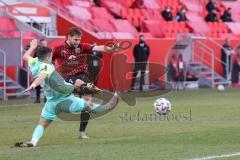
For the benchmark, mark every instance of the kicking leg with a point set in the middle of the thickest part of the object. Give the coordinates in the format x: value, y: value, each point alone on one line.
x: 84, y: 118
x: 96, y: 108
x: 38, y: 93
x: 78, y: 105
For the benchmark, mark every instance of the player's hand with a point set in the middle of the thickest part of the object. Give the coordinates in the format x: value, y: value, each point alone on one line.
x: 79, y: 82
x: 32, y: 86
x: 34, y: 44
x: 115, y: 47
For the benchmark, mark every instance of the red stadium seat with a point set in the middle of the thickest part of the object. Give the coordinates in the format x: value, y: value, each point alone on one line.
x: 208, y: 34
x: 151, y: 14
x: 113, y: 6
x: 218, y: 28
x: 154, y: 27
x: 234, y: 27
x: 103, y: 24
x: 129, y: 18
x: 126, y: 3
x: 130, y: 12
x: 182, y: 24
x: 199, y: 22
x: 193, y: 6
x: 7, y: 24
x: 101, y: 13
x: 8, y: 27
x: 123, y: 35
x: 151, y: 4
x: 105, y: 35
x: 135, y: 16
x: 29, y: 35
x: 124, y: 13
x: 123, y: 26
x: 90, y: 27
x: 81, y: 13
x: 145, y: 34
x: 173, y: 35
x: 62, y: 3
x: 167, y: 35
x: 136, y: 22
x: 186, y: 30
x: 137, y: 12
x: 147, y: 13
x: 214, y: 35
x: 156, y: 15
x: 82, y: 3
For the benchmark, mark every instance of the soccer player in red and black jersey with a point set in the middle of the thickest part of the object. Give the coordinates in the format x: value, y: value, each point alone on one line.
x: 72, y: 63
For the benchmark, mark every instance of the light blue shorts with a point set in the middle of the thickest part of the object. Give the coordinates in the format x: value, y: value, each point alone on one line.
x: 69, y: 104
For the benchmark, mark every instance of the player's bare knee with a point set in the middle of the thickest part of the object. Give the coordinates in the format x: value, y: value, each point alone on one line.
x: 45, y: 123
x: 90, y: 105
x: 87, y: 97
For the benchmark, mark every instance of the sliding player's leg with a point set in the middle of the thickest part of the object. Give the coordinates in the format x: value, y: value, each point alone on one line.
x: 39, y: 130
x: 37, y: 134
x: 70, y: 104
x: 47, y: 116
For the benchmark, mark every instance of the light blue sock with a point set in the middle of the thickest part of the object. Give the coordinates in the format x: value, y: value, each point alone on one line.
x: 37, y: 134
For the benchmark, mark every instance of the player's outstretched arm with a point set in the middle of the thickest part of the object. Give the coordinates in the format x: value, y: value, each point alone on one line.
x: 33, y: 46
x: 39, y: 80
x: 100, y: 48
x: 103, y: 48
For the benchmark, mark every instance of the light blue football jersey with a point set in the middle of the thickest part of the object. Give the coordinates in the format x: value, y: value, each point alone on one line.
x: 37, y: 67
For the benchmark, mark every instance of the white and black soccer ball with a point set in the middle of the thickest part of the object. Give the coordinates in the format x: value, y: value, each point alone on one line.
x: 162, y: 106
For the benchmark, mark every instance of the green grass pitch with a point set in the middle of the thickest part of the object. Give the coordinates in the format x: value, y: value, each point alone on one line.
x: 202, y: 123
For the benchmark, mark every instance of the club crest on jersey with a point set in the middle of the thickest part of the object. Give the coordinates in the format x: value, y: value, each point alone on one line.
x: 77, y: 50
x: 44, y: 68
x: 72, y: 57
x: 64, y: 52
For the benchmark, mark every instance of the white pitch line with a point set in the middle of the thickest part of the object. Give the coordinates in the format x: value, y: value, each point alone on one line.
x: 17, y: 105
x: 220, y: 156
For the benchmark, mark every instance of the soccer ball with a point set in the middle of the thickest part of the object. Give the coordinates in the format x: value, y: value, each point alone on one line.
x: 220, y: 88
x: 162, y: 106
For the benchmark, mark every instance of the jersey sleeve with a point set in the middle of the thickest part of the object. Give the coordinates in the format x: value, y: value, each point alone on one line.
x: 46, y: 69
x: 86, y: 47
x: 32, y: 61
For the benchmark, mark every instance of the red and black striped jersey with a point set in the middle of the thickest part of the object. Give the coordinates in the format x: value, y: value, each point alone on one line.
x: 69, y: 60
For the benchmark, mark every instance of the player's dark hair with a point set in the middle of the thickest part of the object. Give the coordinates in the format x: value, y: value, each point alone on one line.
x: 42, y: 52
x: 74, y: 31
x: 42, y: 39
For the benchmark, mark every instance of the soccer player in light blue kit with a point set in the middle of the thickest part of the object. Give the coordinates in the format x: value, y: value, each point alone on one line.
x: 57, y: 102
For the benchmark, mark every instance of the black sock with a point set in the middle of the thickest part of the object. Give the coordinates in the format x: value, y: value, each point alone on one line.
x: 84, y: 121
x: 38, y: 92
x: 45, y: 99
